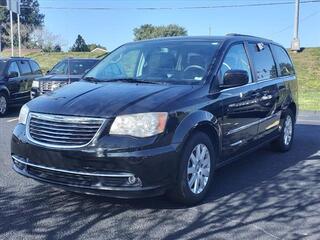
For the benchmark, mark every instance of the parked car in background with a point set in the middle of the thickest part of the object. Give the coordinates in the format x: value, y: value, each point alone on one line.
x: 16, y: 77
x: 64, y: 72
x: 160, y: 116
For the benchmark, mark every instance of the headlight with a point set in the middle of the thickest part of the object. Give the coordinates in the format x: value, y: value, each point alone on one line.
x: 23, y: 114
x: 35, y: 84
x: 139, y: 125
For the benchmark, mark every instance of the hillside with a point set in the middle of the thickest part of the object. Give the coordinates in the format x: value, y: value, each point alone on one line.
x: 307, y: 64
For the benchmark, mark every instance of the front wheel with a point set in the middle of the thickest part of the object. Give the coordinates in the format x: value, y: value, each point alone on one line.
x: 284, y: 142
x: 196, y: 170
x: 3, y: 104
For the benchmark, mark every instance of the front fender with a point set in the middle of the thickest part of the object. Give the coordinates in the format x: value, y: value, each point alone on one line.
x: 4, y: 89
x: 193, y: 121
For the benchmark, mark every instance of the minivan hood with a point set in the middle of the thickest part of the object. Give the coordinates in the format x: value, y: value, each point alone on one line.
x: 108, y: 99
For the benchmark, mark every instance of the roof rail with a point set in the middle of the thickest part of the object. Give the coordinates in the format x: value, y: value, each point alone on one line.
x: 243, y: 35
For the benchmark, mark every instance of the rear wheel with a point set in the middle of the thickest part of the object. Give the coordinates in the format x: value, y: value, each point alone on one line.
x: 196, y: 170
x: 284, y: 142
x: 3, y: 104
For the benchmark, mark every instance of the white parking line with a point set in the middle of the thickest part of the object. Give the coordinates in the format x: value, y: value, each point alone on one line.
x: 308, y: 120
x: 12, y: 120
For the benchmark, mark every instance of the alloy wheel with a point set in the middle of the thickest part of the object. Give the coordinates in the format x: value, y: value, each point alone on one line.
x: 198, y: 171
x: 288, y: 129
x: 3, y: 105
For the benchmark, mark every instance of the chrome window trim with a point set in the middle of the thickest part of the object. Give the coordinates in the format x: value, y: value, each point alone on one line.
x: 120, y: 174
x: 62, y: 118
x: 254, y: 83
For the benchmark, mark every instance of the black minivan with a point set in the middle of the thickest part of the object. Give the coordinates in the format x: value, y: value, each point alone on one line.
x: 160, y: 116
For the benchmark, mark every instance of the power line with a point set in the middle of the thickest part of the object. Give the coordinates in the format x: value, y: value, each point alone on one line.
x: 178, y: 8
x: 289, y: 27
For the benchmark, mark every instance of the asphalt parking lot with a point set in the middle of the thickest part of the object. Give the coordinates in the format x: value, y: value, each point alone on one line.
x: 266, y: 195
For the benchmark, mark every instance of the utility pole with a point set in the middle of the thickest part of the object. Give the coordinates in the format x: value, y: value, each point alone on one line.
x: 295, y: 45
x: 19, y: 35
x: 14, y: 7
x: 0, y: 38
x: 11, y: 33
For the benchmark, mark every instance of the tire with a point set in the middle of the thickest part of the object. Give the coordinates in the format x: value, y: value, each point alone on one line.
x: 202, y: 173
x: 3, y: 104
x: 284, y: 142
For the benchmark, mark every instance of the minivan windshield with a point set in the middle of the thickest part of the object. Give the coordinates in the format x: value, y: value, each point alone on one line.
x: 157, y: 61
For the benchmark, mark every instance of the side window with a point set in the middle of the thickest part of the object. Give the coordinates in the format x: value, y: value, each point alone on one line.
x: 13, y: 68
x: 284, y: 64
x: 235, y: 59
x: 263, y: 61
x: 24, y: 67
x: 60, y: 68
x: 80, y: 67
x: 35, y: 67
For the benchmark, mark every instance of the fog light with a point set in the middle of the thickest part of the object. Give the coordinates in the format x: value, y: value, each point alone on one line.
x: 132, y: 180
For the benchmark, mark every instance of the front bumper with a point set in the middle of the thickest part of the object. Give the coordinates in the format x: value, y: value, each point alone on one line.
x: 96, y: 170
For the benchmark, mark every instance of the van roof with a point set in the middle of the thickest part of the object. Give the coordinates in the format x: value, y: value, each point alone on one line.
x: 231, y: 37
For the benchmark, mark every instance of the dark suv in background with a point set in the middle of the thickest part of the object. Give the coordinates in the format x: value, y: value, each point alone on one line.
x: 64, y: 72
x: 16, y: 77
x: 160, y: 116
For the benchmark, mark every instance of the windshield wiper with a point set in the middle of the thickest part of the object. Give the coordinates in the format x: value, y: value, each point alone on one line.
x: 131, y: 80
x: 91, y: 79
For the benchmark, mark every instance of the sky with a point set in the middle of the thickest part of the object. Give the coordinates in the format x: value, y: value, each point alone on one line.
x: 114, y: 27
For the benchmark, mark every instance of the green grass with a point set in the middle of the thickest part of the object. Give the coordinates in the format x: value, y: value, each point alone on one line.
x: 307, y: 64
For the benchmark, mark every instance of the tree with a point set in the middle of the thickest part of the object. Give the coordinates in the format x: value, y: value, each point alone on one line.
x: 30, y: 18
x: 57, y: 48
x: 80, y: 45
x: 45, y: 40
x: 148, y: 31
x: 24, y: 33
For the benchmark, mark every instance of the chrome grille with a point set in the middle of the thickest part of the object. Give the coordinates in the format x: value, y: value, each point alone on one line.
x: 48, y: 86
x: 62, y: 131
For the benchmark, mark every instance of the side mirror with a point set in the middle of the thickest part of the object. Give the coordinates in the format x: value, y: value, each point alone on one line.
x: 235, y: 78
x: 13, y: 74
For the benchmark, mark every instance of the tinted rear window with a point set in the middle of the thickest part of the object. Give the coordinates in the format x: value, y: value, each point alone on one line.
x: 24, y: 67
x: 263, y: 61
x: 284, y: 64
x: 80, y: 67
